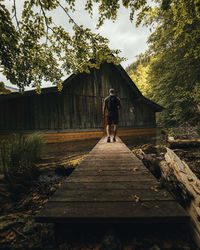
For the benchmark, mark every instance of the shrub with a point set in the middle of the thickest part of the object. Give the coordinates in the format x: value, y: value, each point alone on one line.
x: 18, y: 155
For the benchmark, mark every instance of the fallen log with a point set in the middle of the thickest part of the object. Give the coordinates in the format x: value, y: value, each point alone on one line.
x: 185, y: 186
x: 183, y: 143
x: 151, y: 161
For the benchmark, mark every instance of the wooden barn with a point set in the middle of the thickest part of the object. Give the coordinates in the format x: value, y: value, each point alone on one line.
x: 78, y: 107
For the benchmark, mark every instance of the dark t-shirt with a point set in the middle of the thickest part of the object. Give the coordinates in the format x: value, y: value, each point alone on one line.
x: 112, y: 103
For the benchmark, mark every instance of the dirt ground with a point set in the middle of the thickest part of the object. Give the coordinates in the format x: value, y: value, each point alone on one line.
x: 18, y: 230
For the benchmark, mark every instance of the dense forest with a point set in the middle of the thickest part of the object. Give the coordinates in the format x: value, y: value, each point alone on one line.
x: 168, y: 72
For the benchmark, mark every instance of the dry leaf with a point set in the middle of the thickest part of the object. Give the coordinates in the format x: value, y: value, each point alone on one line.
x: 37, y: 197
x: 165, y: 194
x: 154, y: 188
x: 145, y: 205
x: 11, y: 235
x: 137, y: 198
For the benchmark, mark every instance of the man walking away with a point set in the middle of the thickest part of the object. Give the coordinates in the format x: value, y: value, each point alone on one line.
x: 111, y: 103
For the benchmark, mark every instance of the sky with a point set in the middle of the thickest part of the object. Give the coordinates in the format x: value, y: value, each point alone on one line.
x: 122, y: 34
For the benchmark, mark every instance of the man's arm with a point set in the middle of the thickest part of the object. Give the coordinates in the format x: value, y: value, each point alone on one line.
x: 104, y: 109
x: 119, y: 103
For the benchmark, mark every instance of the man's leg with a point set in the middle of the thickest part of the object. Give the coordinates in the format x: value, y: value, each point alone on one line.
x: 115, y: 121
x: 108, y: 127
x: 115, y: 130
x: 108, y: 132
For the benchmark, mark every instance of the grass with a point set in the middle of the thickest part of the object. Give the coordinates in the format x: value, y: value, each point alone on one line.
x: 19, y: 153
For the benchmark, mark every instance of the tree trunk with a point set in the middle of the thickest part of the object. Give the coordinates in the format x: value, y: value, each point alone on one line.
x: 183, y: 143
x: 185, y: 186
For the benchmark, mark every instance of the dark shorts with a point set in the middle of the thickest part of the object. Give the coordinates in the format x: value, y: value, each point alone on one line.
x: 112, y: 118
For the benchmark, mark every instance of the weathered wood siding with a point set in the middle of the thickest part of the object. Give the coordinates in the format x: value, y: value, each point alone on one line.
x: 85, y: 95
x: 78, y: 106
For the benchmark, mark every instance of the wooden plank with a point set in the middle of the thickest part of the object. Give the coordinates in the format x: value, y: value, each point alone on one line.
x: 30, y: 108
x: 136, y: 185
x: 107, y: 188
x: 110, y: 195
x: 105, y: 160
x: 110, y: 178
x: 46, y: 111
x: 112, y: 163
x: 129, y: 212
x: 56, y: 111
x: 110, y: 167
x: 60, y: 110
x: 101, y: 172
x: 89, y: 162
x: 33, y: 100
x: 37, y: 112
x: 97, y: 153
x: 100, y: 162
x: 51, y: 110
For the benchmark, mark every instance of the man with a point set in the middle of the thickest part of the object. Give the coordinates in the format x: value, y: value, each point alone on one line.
x: 111, y: 103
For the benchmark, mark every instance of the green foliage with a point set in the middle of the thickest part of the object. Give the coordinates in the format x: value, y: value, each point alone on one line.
x: 171, y: 75
x: 174, y: 75
x: 34, y: 49
x: 3, y: 90
x: 19, y: 153
x: 108, y: 9
x: 138, y: 71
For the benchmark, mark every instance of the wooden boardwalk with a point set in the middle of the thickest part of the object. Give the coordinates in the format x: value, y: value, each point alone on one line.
x: 111, y: 185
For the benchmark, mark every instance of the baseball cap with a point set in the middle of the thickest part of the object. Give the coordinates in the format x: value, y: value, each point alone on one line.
x: 111, y: 90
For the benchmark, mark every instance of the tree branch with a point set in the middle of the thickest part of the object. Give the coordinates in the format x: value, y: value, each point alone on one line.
x: 68, y: 14
x: 93, y: 40
x: 48, y: 27
x: 15, y: 15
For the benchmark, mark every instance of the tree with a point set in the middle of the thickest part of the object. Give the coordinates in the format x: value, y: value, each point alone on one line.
x: 34, y: 49
x: 173, y: 69
x: 138, y: 71
x: 3, y: 90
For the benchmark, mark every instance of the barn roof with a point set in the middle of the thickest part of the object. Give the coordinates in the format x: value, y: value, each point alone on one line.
x: 120, y: 69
